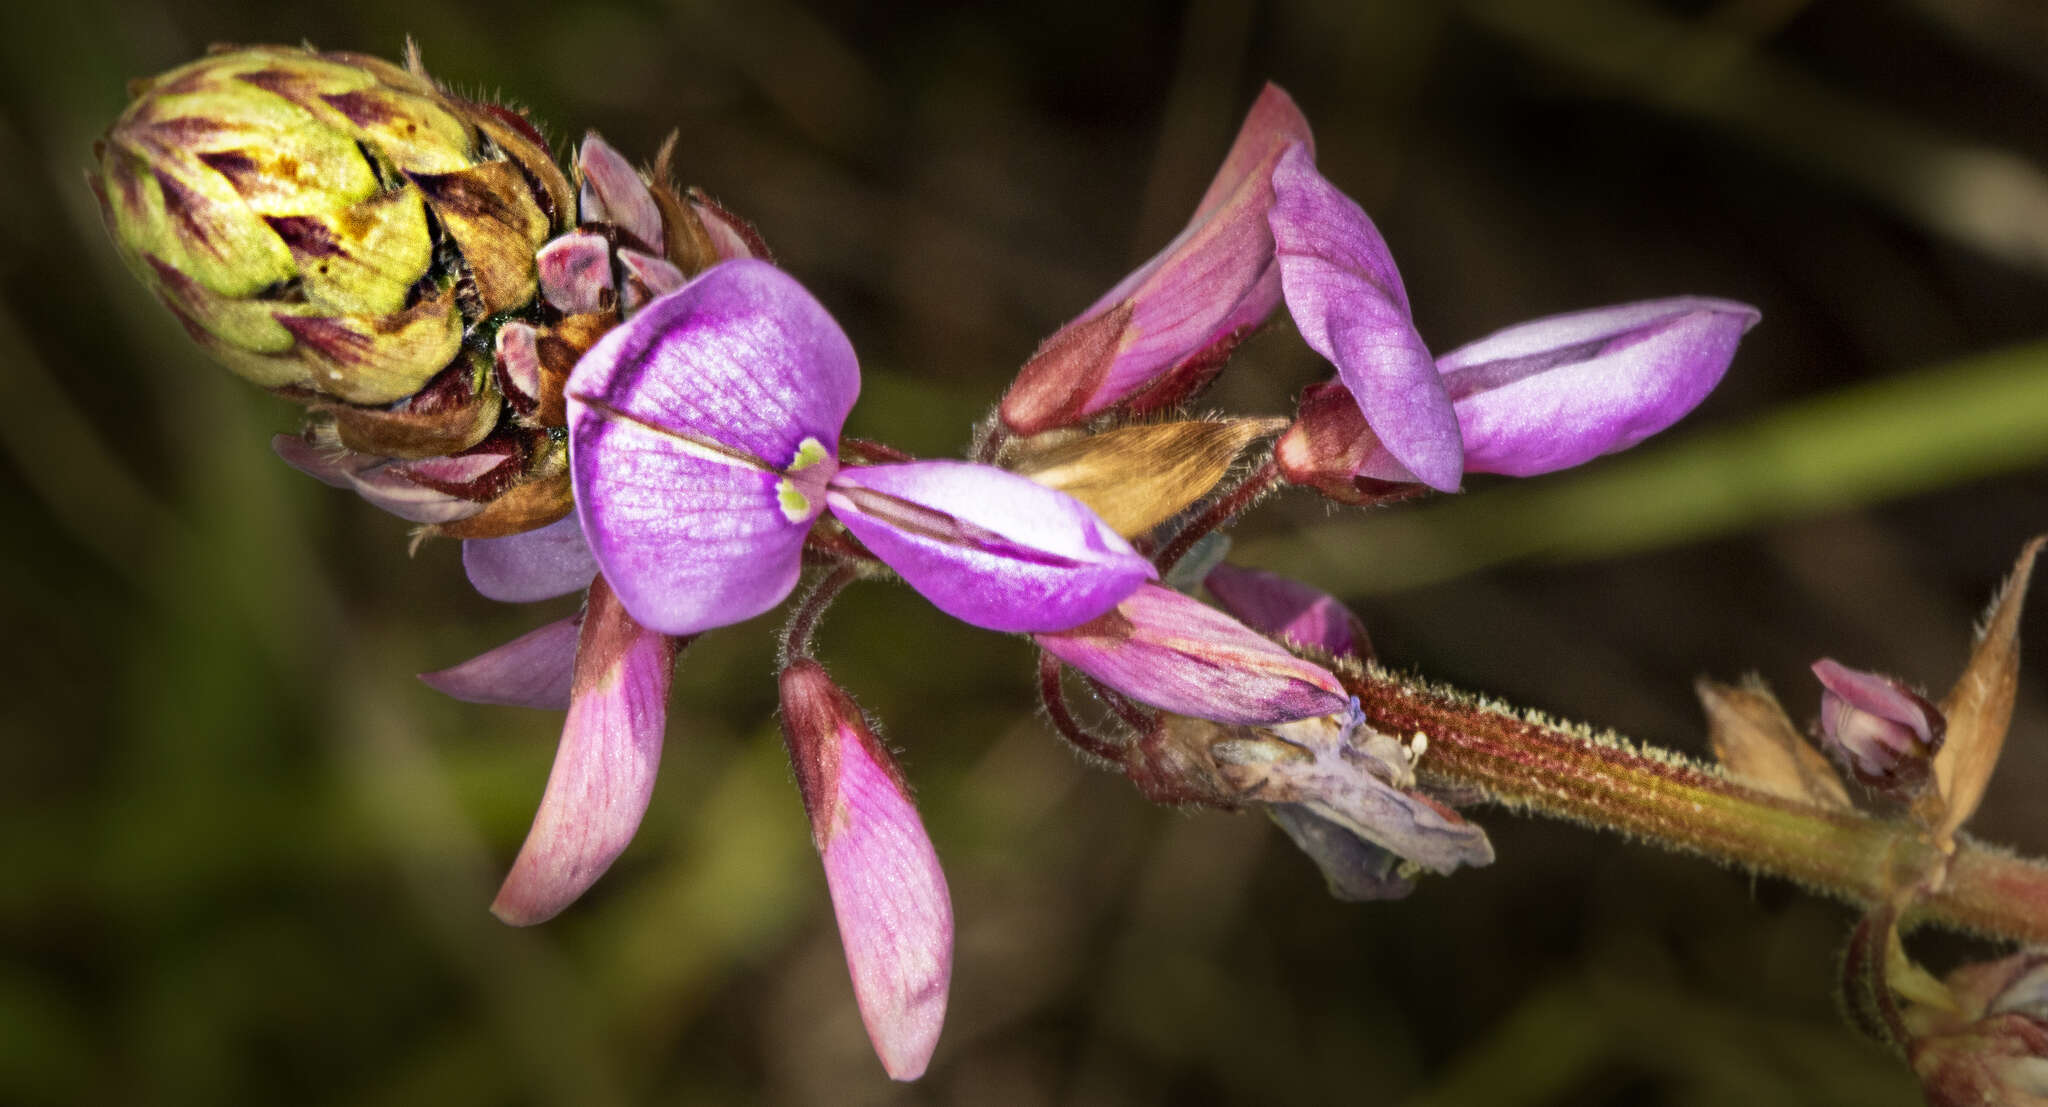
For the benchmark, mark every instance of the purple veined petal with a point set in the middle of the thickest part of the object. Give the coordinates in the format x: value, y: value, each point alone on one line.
x: 1347, y: 300
x: 1560, y: 391
x: 604, y: 768
x: 1290, y: 610
x: 536, y: 669
x: 1166, y: 650
x: 536, y: 565
x: 576, y: 272
x: 888, y: 893
x: 685, y: 424
x: 1212, y: 282
x: 986, y: 546
x: 613, y: 193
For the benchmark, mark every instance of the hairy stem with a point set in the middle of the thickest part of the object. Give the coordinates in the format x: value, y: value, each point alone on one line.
x: 1663, y: 798
x: 803, y: 622
x: 1055, y: 699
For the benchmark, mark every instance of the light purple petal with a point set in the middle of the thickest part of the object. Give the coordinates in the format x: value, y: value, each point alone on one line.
x: 613, y: 192
x: 576, y: 272
x: 1356, y: 871
x: 1169, y: 651
x: 604, y: 768
x: 1348, y: 302
x: 1214, y: 279
x: 1288, y: 609
x: 536, y: 669
x: 333, y: 465
x: 682, y: 421
x: 536, y: 565
x: 989, y: 547
x: 888, y: 892
x: 517, y: 355
x: 1560, y: 391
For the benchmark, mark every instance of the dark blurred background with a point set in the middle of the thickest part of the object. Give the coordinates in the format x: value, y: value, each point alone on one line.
x: 245, y: 857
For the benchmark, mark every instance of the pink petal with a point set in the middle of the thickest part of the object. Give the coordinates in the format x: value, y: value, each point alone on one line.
x: 604, y: 769
x: 1212, y: 282
x: 576, y: 272
x: 888, y: 892
x: 1175, y: 653
x: 536, y: 669
x: 614, y: 193
x: 536, y: 565
x: 1560, y: 391
x: 986, y: 546
x: 1348, y: 302
x: 1290, y: 610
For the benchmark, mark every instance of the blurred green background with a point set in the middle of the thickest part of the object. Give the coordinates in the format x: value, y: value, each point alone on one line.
x: 245, y: 857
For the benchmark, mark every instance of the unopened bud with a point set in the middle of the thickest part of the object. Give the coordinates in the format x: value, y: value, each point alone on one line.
x: 1877, y: 728
x: 325, y: 222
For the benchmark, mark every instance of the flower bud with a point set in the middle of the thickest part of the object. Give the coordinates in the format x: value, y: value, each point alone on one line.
x: 1990, y: 1043
x: 1877, y: 728
x: 326, y: 223
x: 888, y: 893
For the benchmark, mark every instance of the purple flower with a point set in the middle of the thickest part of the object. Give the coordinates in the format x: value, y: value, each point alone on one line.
x: 1167, y: 328
x: 704, y: 438
x: 1532, y: 398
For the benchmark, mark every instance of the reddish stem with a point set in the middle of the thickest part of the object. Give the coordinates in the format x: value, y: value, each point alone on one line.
x: 803, y: 622
x: 1227, y: 507
x: 869, y: 450
x: 1661, y: 797
x: 1054, y: 696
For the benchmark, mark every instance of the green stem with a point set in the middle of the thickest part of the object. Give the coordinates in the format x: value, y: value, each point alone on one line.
x: 1602, y: 781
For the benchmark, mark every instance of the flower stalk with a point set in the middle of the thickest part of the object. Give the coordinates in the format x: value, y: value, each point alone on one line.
x: 1660, y: 797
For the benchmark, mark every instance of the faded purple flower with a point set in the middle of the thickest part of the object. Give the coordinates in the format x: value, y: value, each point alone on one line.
x: 704, y: 439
